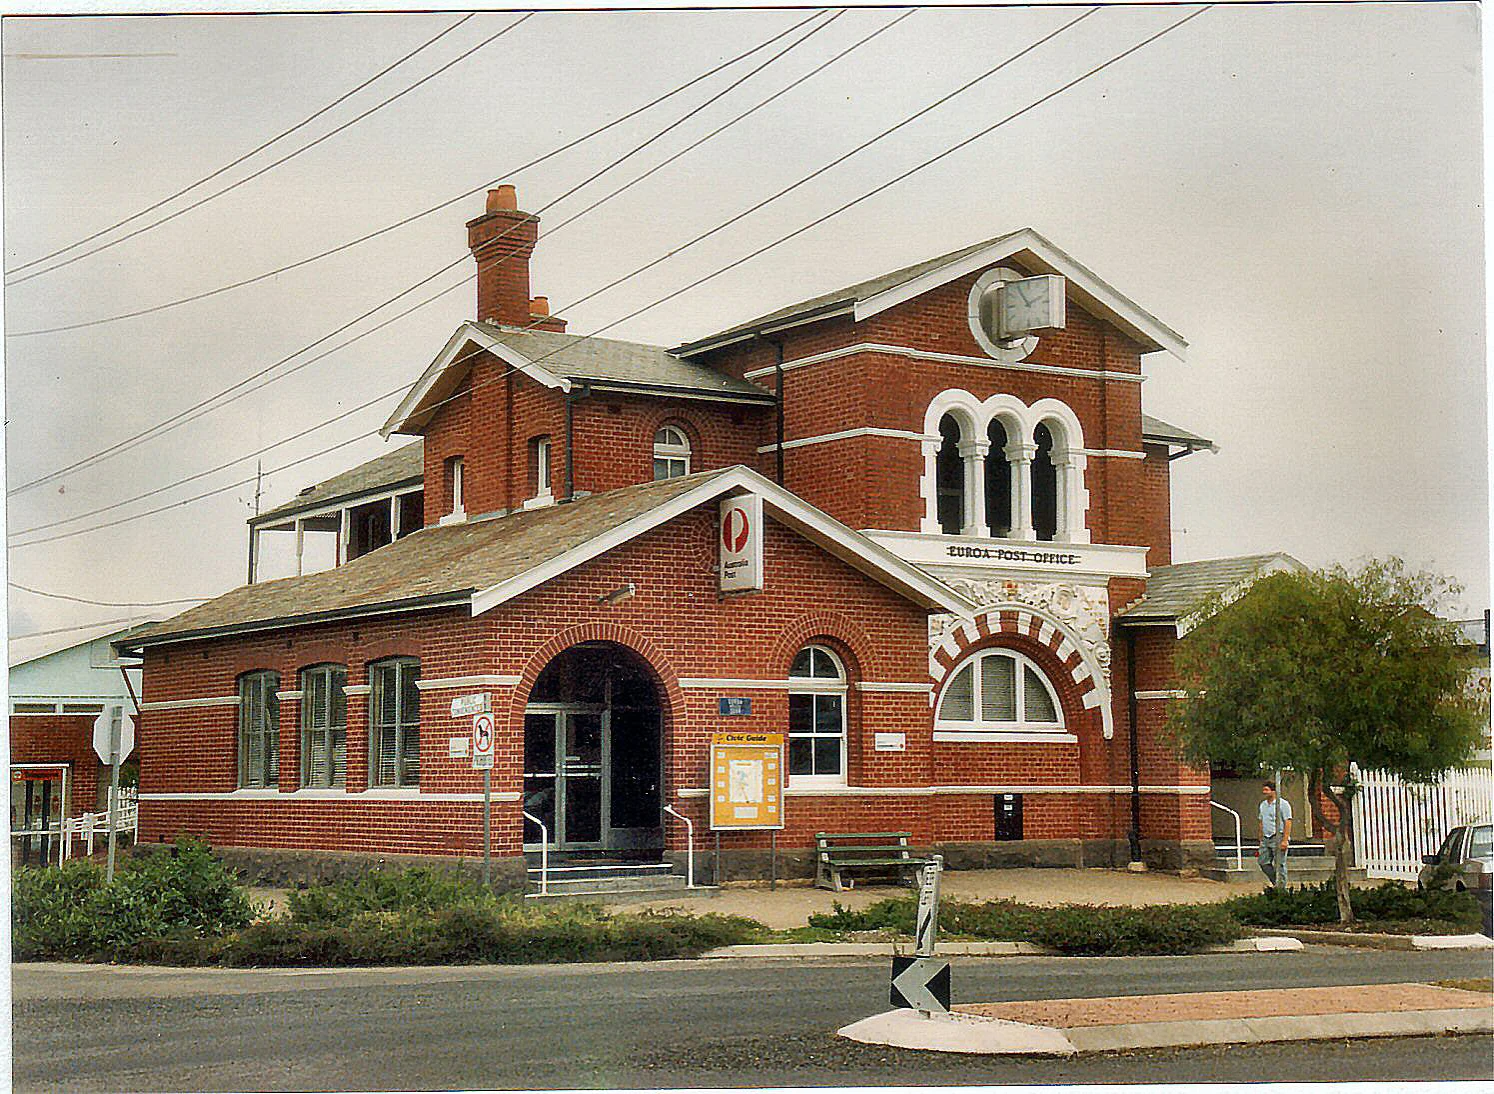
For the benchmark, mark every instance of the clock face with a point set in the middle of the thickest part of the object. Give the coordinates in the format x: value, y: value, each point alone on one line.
x: 1033, y: 303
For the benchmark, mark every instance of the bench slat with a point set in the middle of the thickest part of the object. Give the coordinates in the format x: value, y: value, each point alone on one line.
x: 862, y: 835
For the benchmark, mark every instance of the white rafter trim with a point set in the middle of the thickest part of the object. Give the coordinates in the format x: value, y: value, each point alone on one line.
x: 1039, y: 256
x: 894, y: 686
x: 450, y: 365
x: 189, y: 704
x: 788, y: 509
x: 927, y: 791
x: 1171, y: 694
x: 998, y: 737
x: 844, y: 435
x: 945, y: 358
x: 307, y: 794
x: 442, y: 682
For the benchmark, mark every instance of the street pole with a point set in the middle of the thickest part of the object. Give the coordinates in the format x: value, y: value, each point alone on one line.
x: 114, y: 743
x: 487, y: 828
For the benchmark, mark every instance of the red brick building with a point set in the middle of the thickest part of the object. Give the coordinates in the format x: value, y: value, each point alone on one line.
x: 961, y: 496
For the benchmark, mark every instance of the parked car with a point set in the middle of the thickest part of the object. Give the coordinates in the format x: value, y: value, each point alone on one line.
x: 1464, y: 862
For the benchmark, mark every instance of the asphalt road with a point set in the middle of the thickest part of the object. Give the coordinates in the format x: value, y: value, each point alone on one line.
x: 664, y: 1024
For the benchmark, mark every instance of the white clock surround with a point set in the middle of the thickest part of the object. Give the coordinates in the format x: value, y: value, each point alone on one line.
x: 1008, y: 351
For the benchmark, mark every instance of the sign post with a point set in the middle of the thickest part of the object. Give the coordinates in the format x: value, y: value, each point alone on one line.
x: 921, y: 982
x: 113, y: 740
x: 483, y: 727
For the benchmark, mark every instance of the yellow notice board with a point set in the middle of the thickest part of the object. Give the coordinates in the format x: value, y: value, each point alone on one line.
x: 746, y: 781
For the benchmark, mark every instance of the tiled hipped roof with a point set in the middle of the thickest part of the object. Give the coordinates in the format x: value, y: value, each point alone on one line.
x: 1180, y: 591
x: 405, y: 464
x: 436, y: 564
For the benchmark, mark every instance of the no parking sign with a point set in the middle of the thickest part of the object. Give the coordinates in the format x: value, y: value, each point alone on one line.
x: 483, y: 731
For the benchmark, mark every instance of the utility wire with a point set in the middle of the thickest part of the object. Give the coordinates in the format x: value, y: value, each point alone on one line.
x: 934, y: 159
x: 160, y: 427
x: 512, y: 172
x: 458, y: 59
x: 253, y: 151
x: 64, y: 630
x: 386, y: 322
x: 110, y: 603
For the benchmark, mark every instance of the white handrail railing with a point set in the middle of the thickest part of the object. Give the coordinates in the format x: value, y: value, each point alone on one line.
x: 1239, y: 851
x: 689, y: 845
x: 544, y: 852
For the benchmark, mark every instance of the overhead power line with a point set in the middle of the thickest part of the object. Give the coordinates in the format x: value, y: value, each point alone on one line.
x: 77, y: 627
x: 842, y: 208
x: 252, y: 152
x: 274, y: 163
x: 160, y: 427
x: 110, y: 603
x: 403, y: 221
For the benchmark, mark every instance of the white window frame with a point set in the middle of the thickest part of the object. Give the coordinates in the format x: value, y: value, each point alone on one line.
x: 267, y: 681
x: 402, y: 722
x: 817, y: 687
x: 977, y: 728
x: 671, y: 451
x: 309, y: 729
x: 540, y: 453
x: 458, y: 503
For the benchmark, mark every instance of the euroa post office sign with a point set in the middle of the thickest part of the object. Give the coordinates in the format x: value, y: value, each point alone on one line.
x: 740, y: 538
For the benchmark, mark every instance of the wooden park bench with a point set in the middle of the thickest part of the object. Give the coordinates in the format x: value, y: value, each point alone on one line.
x: 874, y: 852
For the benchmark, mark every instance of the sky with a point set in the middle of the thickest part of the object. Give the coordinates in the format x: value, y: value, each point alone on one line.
x: 1296, y: 189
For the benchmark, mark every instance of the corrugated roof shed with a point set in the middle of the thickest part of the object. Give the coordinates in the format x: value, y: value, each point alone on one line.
x: 1177, y: 592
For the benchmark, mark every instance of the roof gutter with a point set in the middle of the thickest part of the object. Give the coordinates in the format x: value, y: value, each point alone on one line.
x: 755, y: 330
x: 628, y: 387
x: 408, y: 604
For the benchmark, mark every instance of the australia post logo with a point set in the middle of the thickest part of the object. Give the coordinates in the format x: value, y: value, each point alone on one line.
x: 741, y: 543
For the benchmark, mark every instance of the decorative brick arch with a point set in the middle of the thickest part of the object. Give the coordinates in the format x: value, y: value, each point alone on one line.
x: 652, y: 423
x: 845, y: 630
x: 1035, y: 625
x: 597, y: 632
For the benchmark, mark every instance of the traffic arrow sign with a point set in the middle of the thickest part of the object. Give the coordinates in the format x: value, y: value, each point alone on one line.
x: 921, y: 983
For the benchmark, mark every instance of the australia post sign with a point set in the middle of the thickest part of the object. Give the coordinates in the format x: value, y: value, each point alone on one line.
x: 741, y: 542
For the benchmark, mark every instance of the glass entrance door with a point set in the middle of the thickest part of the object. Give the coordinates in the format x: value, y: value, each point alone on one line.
x: 565, y: 768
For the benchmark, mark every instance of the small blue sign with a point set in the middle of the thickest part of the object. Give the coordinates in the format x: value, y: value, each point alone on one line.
x: 735, y: 706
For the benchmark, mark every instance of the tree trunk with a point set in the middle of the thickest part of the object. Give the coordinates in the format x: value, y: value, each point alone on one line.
x: 1340, y: 827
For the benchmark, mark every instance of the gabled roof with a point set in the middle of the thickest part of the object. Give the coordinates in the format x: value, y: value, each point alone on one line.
x: 484, y: 563
x: 1024, y: 246
x: 562, y: 361
x: 402, y: 467
x: 1155, y: 429
x: 1179, y: 593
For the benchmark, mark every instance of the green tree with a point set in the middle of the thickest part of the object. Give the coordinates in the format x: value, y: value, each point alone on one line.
x: 1314, y: 670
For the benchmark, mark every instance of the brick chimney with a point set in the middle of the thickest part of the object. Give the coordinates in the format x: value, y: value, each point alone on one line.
x: 502, y: 239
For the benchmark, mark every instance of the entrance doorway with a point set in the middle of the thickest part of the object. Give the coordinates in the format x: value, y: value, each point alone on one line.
x: 592, y: 752
x: 37, y: 808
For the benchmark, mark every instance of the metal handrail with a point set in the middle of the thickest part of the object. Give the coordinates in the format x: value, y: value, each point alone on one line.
x: 689, y: 845
x: 1239, y: 851
x: 544, y: 852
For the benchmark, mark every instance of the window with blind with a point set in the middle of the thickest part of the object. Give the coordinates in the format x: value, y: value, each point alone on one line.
x: 259, y: 730
x: 817, y: 718
x: 671, y: 453
x: 394, y: 747
x: 1000, y: 690
x: 324, y: 726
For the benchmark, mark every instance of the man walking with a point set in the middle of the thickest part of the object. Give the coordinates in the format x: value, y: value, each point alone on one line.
x: 1276, y: 833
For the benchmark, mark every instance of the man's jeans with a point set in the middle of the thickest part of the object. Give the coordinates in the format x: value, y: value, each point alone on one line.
x: 1273, y: 861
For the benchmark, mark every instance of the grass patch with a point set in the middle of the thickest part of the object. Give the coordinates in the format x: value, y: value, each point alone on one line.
x: 1070, y: 929
x: 1485, y: 984
x: 1390, y: 908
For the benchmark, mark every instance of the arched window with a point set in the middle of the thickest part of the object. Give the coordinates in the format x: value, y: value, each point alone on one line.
x: 1000, y: 690
x: 394, y: 744
x: 998, y: 482
x: 817, y: 718
x: 1044, y: 485
x: 259, y: 729
x: 324, y: 726
x: 671, y: 453
x: 949, y: 476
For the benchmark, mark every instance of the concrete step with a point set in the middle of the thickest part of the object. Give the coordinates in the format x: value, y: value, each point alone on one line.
x: 610, y: 888
x: 1300, y: 871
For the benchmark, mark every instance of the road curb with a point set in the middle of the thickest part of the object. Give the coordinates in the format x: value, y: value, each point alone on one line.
x: 970, y: 1034
x: 1262, y: 944
x: 1373, y: 941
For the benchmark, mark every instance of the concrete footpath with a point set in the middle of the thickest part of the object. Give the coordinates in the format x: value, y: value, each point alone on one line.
x: 1066, y: 1027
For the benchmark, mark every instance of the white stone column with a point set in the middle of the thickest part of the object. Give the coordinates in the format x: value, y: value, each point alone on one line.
x: 929, y: 484
x: 1019, y: 456
x: 1073, y: 499
x: 974, y: 455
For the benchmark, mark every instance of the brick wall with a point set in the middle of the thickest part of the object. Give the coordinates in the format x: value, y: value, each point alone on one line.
x: 60, y: 739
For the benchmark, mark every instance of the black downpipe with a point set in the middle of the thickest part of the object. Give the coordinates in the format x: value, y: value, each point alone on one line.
x: 778, y: 377
x: 1135, y: 834
x: 570, y: 445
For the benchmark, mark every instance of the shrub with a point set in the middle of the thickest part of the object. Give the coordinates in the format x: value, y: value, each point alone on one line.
x: 1387, y: 903
x: 1071, y: 929
x: 416, y: 889
x: 72, y: 913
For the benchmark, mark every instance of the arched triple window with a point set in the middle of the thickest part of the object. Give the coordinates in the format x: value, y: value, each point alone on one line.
x: 671, y: 453
x: 1000, y: 691
x: 324, y: 726
x: 259, y: 729
x: 817, y: 718
x: 998, y: 482
x: 949, y: 476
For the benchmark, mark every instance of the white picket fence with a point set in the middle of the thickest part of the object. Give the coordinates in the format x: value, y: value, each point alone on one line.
x: 1397, y: 822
